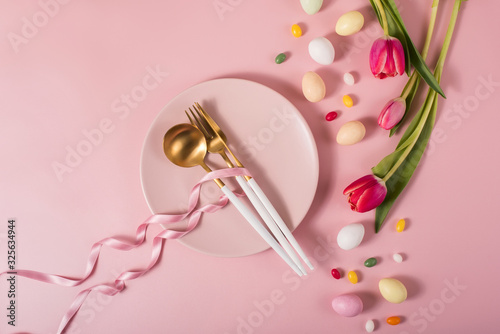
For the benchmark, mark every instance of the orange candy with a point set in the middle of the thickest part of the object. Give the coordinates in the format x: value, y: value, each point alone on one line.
x: 393, y: 320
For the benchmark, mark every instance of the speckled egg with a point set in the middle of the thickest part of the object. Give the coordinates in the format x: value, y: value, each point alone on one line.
x: 348, y: 305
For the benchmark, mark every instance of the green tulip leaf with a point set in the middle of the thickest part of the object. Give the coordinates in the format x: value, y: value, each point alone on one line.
x: 415, y: 58
x: 398, y: 181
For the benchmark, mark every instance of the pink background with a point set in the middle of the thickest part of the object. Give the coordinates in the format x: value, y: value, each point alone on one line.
x: 65, y: 77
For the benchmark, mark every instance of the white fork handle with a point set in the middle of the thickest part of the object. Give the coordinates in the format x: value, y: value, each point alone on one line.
x: 250, y: 217
x: 277, y: 218
x: 258, y: 205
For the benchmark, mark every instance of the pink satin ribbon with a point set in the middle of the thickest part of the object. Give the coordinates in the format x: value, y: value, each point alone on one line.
x: 118, y: 285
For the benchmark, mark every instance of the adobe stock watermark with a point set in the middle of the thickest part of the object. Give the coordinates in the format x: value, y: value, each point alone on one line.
x: 122, y: 106
x: 30, y: 26
x: 263, y: 309
x: 455, y: 115
x: 222, y: 7
x: 250, y: 146
x: 95, y: 303
x: 421, y: 318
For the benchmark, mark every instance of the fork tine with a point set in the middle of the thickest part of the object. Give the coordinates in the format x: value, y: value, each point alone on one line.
x: 190, y: 119
x: 207, y: 118
x: 202, y: 119
x: 199, y: 125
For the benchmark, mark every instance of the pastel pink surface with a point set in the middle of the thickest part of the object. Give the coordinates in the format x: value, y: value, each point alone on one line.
x: 82, y: 69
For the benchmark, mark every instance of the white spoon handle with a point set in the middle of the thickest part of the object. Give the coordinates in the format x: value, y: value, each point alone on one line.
x: 250, y: 217
x: 271, y: 224
x: 277, y: 218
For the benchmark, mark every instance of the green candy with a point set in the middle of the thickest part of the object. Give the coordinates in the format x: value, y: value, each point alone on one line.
x: 280, y: 58
x: 370, y: 262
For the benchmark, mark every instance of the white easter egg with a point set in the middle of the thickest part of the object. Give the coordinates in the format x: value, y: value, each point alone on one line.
x: 311, y: 6
x: 313, y: 87
x: 350, y: 236
x: 322, y: 51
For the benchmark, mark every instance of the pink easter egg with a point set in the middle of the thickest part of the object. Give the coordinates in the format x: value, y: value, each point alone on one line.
x: 348, y: 305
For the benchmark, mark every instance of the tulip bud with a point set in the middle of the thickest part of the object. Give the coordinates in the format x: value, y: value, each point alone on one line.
x: 366, y: 193
x: 392, y: 113
x: 387, y: 57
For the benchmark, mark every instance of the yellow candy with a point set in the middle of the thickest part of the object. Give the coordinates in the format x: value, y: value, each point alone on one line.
x: 352, y: 277
x: 296, y: 30
x: 400, y: 226
x: 347, y: 101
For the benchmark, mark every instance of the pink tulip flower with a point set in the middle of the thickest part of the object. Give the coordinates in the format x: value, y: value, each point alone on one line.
x: 366, y: 193
x: 392, y: 113
x: 387, y: 57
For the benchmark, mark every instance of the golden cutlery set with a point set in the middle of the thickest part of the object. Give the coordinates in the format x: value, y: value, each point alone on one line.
x: 186, y: 145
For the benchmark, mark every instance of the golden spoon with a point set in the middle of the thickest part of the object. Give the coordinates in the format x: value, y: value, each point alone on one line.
x: 185, y: 146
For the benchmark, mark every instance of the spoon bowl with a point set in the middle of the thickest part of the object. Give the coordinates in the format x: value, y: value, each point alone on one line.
x: 185, y: 146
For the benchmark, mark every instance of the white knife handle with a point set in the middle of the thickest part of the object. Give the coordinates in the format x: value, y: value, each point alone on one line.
x: 249, y: 216
x: 258, y: 205
x: 279, y: 221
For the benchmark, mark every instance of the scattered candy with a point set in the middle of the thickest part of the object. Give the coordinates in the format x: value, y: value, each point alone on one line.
x: 350, y: 236
x: 370, y: 262
x: 348, y: 305
x: 392, y: 290
x: 370, y: 326
x: 313, y: 87
x: 335, y: 273
x: 322, y: 51
x: 349, y: 23
x: 331, y: 116
x: 348, y: 79
x: 398, y: 258
x: 347, y: 101
x: 296, y: 30
x: 400, y: 226
x: 352, y: 277
x: 280, y: 58
x: 393, y: 320
x: 351, y: 133
x: 311, y: 6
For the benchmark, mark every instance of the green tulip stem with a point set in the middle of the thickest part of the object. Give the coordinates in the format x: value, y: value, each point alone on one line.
x: 385, y: 25
x: 447, y: 40
x: 425, y: 50
x: 432, y: 94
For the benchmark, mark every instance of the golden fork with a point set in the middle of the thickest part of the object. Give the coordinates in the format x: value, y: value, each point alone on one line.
x: 217, y: 143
